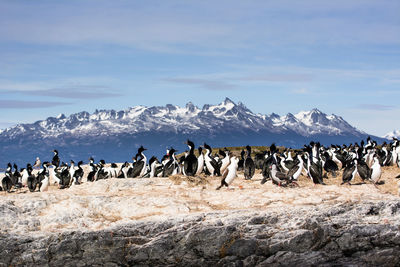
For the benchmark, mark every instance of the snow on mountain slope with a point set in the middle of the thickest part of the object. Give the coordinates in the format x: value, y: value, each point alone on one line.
x: 188, y: 119
x: 390, y: 135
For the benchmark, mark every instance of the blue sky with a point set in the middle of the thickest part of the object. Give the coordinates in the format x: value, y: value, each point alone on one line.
x: 342, y: 57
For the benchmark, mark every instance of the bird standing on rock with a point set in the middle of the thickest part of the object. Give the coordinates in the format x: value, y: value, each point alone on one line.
x: 248, y: 166
x: 56, y: 159
x: 278, y: 177
x: 211, y: 163
x: 200, y: 161
x: 190, y: 163
x: 230, y: 173
x: 349, y: 172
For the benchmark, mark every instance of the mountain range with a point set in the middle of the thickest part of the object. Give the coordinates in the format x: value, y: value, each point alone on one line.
x: 116, y: 135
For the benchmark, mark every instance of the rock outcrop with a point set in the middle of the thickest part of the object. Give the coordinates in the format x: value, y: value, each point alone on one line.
x: 362, y: 234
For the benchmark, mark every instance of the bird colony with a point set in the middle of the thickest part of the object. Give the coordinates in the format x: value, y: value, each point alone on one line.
x: 281, y: 167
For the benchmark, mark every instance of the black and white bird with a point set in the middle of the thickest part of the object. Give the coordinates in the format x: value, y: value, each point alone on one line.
x: 363, y: 169
x: 225, y: 160
x: 182, y: 159
x: 63, y: 175
x: 172, y: 166
x: 386, y: 156
x: 32, y: 181
x: 140, y: 168
x: 278, y: 177
x: 287, y: 161
x: 92, y: 170
x: 259, y: 160
x: 211, y: 163
x: 56, y: 159
x: 230, y: 173
x: 24, y: 177
x: 241, y: 160
x: 156, y: 168
x: 295, y: 172
x: 123, y: 172
x: 349, y: 172
x: 112, y: 170
x: 6, y: 182
x: 78, y: 174
x: 337, y: 156
x: 248, y: 166
x: 270, y: 158
x: 104, y: 172
x: 330, y: 166
x: 314, y: 164
x: 16, y: 177
x: 190, y: 163
x: 71, y: 170
x: 131, y: 166
x: 376, y: 171
x: 44, y: 177
x: 200, y: 161
x: 10, y: 174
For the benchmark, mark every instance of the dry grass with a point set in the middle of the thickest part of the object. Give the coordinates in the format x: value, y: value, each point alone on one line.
x: 190, y: 180
x: 237, y: 149
x: 391, y: 185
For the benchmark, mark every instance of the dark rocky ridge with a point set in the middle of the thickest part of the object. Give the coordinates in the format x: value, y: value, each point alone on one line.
x: 349, y: 234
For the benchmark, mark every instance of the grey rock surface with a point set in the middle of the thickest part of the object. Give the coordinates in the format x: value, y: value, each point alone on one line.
x: 347, y: 234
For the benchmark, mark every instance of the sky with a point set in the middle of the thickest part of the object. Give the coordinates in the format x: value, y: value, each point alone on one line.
x: 342, y: 57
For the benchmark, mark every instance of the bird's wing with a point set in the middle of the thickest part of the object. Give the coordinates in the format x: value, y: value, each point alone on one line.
x: 281, y: 175
x: 137, y: 169
x: 293, y: 170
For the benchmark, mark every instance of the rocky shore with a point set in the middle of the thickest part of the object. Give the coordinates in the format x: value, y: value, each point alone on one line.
x: 147, y: 222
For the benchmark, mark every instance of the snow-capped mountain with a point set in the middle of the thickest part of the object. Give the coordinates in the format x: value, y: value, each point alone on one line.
x: 115, y: 135
x: 186, y: 119
x: 390, y: 135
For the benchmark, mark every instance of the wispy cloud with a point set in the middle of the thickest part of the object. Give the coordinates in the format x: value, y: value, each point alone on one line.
x: 68, y: 91
x: 17, y: 104
x: 377, y: 107
x: 214, y: 85
x: 301, y: 91
x: 87, y: 92
x: 279, y: 78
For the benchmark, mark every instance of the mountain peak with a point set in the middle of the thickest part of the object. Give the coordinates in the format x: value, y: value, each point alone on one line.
x: 315, y: 110
x: 228, y: 101
x: 60, y: 116
x: 390, y: 135
x: 190, y: 107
